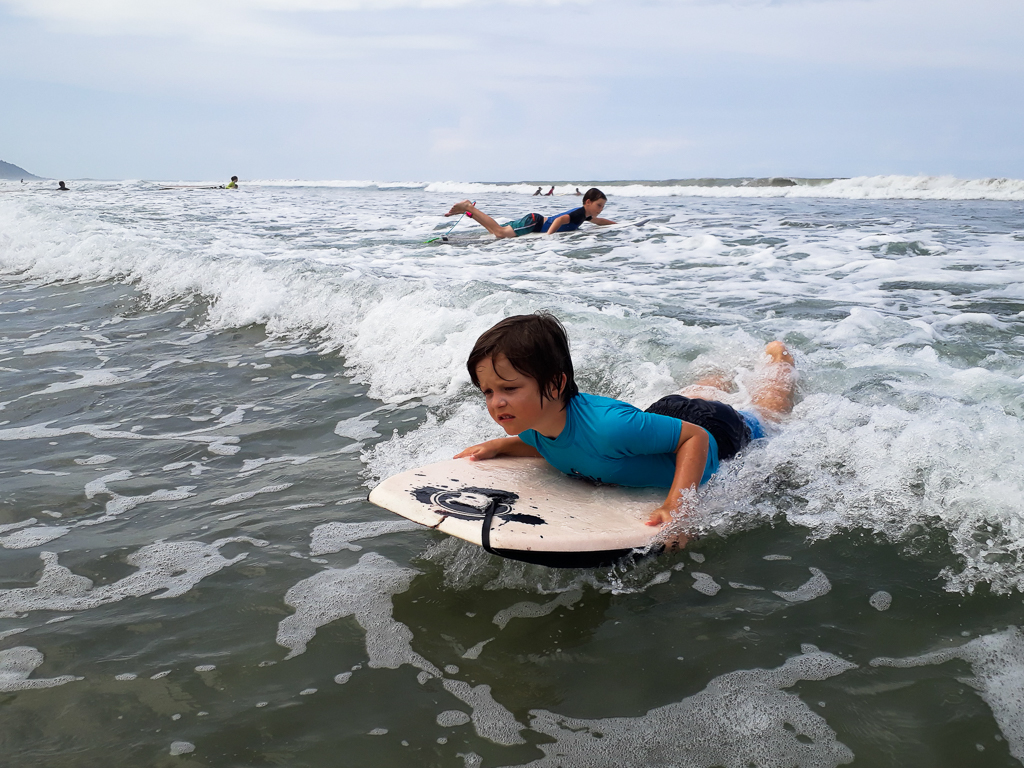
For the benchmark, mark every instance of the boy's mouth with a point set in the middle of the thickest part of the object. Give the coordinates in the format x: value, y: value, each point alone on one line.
x: 505, y: 417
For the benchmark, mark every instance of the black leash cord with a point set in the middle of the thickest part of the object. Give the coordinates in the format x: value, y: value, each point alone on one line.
x: 485, y: 531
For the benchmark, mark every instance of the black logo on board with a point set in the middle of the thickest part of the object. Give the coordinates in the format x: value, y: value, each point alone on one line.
x: 471, y: 503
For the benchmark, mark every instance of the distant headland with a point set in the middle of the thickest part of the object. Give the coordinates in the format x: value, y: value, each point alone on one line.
x: 12, y: 171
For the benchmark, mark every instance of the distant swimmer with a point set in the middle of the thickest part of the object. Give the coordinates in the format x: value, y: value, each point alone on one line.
x: 537, y: 193
x: 233, y: 184
x: 577, y: 192
x: 593, y: 204
x: 61, y: 186
x: 549, y: 192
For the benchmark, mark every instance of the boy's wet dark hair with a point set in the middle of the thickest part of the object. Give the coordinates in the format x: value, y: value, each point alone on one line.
x: 536, y: 345
x: 594, y: 194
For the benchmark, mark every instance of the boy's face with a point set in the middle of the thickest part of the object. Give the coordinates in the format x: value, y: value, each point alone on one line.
x: 513, y: 399
x: 594, y: 207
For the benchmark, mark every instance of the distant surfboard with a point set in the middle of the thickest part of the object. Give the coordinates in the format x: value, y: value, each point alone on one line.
x: 525, y: 509
x: 192, y: 186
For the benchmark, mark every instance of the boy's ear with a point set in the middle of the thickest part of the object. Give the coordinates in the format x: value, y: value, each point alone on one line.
x: 556, y: 389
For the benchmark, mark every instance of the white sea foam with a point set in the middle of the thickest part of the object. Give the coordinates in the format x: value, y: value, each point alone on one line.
x: 741, y: 718
x: 476, y: 650
x: 491, y: 720
x: 531, y: 610
x: 105, y: 377
x: 182, y: 747
x: 15, y: 526
x: 100, y: 458
x: 998, y: 664
x: 357, y: 428
x: 246, y: 495
x: 17, y: 664
x: 169, y: 568
x: 858, y: 188
x: 886, y: 469
x: 816, y: 586
x: 880, y: 600
x: 43, y: 431
x: 251, y: 466
x: 329, y: 538
x: 118, y: 505
x: 452, y: 718
x: 64, y: 346
x: 364, y: 591
x: 33, y: 537
x: 703, y: 583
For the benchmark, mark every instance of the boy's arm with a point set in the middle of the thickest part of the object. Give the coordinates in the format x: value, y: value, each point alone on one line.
x: 502, y: 446
x: 691, y: 457
x: 602, y: 222
x: 560, y: 221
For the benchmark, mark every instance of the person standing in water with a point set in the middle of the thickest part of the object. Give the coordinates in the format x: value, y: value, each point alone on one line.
x: 61, y: 186
x: 233, y: 184
x: 593, y: 204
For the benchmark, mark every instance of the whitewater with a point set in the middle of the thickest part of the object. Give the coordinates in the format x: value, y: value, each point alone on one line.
x: 198, y: 388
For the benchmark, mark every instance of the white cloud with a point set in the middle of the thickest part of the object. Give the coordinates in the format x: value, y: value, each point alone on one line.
x: 255, y: 20
x: 498, y: 87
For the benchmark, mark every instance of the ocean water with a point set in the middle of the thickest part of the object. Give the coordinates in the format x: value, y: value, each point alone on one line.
x: 198, y: 388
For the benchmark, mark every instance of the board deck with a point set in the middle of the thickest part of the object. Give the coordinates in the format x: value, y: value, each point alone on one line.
x: 524, y: 509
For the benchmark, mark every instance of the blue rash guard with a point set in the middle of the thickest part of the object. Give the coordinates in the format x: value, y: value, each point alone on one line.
x: 609, y: 441
x: 576, y: 217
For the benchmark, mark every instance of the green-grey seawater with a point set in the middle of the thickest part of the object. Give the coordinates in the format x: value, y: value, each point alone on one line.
x: 198, y: 390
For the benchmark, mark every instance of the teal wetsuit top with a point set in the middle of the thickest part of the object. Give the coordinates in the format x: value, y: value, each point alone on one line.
x: 609, y: 441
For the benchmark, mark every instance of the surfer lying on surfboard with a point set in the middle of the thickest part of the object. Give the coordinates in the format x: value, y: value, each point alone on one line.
x: 523, y: 367
x: 593, y: 204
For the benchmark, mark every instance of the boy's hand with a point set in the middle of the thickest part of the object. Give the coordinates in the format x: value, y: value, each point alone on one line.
x: 660, y: 516
x: 488, y: 450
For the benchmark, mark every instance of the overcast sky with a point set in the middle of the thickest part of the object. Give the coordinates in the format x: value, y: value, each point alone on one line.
x: 511, y: 89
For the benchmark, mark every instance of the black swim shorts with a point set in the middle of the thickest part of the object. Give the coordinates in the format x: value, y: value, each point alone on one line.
x: 724, y: 422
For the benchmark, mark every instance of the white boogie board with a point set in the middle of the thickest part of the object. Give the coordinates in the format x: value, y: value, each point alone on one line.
x: 524, y: 509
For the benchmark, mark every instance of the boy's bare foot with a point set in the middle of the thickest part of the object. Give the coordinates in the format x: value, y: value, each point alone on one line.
x: 774, y: 392
x: 460, y: 208
x: 777, y: 351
